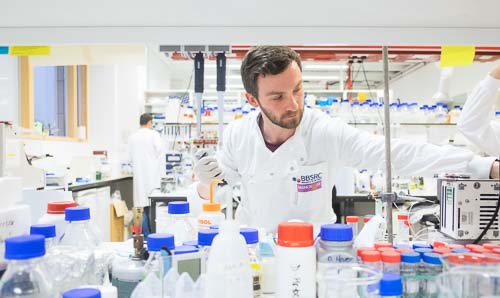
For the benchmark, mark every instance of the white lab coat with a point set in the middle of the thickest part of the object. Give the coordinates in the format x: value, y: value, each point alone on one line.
x: 477, y: 120
x: 145, y: 150
x: 295, y: 181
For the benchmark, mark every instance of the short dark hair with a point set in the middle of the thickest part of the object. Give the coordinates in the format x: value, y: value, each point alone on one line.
x: 145, y: 118
x: 265, y: 60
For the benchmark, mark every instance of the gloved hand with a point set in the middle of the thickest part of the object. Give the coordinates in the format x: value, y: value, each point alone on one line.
x: 207, y: 167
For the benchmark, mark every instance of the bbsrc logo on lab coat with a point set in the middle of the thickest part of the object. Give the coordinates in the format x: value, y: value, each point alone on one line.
x: 307, y: 183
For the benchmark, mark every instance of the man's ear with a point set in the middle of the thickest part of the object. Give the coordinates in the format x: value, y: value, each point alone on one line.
x: 252, y: 100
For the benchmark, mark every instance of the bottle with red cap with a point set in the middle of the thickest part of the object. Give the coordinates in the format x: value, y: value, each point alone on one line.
x: 403, y: 235
x: 372, y: 259
x: 353, y: 221
x: 392, y: 261
x: 296, y: 261
x: 55, y: 215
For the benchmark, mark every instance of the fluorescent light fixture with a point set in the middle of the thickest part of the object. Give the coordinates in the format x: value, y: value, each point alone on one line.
x: 213, y: 77
x: 324, y: 66
x: 319, y: 78
x: 236, y: 86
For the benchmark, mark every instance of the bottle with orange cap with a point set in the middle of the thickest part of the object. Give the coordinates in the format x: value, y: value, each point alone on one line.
x: 296, y: 261
x: 211, y: 214
x: 403, y: 235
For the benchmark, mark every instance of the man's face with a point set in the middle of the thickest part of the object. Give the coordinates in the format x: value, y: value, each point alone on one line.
x: 281, y: 97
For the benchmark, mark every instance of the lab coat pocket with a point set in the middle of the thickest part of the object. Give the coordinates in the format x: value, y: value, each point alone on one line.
x: 311, y: 183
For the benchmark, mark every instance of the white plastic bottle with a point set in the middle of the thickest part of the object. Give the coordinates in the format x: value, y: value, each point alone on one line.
x: 25, y: 275
x: 228, y: 268
x: 403, y: 236
x: 76, y: 249
x: 82, y: 293
x: 211, y: 214
x: 252, y: 239
x: 295, y: 261
x: 55, y: 215
x: 48, y: 231
x: 178, y: 223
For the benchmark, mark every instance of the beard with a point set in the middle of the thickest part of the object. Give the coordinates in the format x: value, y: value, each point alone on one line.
x: 285, y: 120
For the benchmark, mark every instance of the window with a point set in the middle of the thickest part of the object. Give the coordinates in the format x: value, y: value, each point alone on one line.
x: 53, y: 100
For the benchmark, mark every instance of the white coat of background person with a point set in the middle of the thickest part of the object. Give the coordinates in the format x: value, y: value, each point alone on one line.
x: 477, y: 119
x: 145, y: 149
x: 286, y: 157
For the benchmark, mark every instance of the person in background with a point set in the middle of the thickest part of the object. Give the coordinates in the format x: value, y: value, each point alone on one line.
x: 477, y: 120
x: 286, y: 157
x: 145, y: 151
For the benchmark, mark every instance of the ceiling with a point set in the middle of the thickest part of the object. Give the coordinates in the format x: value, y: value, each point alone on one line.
x: 325, y: 67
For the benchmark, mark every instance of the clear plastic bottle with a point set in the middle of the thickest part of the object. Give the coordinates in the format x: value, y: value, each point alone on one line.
x: 82, y: 293
x: 353, y: 222
x: 252, y: 239
x: 409, y: 272
x: 178, y: 223
x: 205, y: 239
x: 392, y: 261
x: 432, y: 266
x: 295, y: 261
x: 372, y: 259
x: 127, y: 273
x: 75, y: 250
x: 46, y: 230
x: 335, y: 245
x: 159, y: 260
x: 391, y: 286
x: 25, y: 275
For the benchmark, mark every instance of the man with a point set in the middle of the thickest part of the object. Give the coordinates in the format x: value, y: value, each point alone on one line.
x: 145, y: 150
x: 477, y: 121
x: 286, y: 157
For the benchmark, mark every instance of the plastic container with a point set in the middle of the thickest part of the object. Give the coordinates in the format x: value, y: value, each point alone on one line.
x: 178, y: 223
x: 159, y: 260
x: 228, y: 267
x: 372, y: 259
x: 211, y: 214
x: 46, y: 230
x: 76, y: 250
x: 127, y: 273
x: 205, y: 239
x: 252, y: 240
x: 353, y: 222
x: 466, y: 283
x: 55, y: 215
x: 349, y: 280
x: 432, y: 266
x: 295, y: 260
x: 25, y: 275
x: 391, y: 285
x: 403, y: 236
x: 422, y: 251
x: 421, y: 245
x: 82, y: 293
x: 382, y: 244
x: 409, y: 272
x: 191, y: 243
x: 391, y: 261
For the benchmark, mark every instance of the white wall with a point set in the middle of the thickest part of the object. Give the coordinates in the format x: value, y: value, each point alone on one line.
x: 422, y: 84
x: 9, y: 89
x: 158, y: 72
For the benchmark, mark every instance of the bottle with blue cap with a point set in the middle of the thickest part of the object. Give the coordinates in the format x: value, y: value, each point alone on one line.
x: 82, y: 293
x: 391, y: 286
x: 409, y: 271
x: 205, y: 239
x: 178, y: 223
x: 25, y: 275
x: 335, y: 245
x: 251, y: 236
x: 160, y: 247
x: 432, y: 266
x: 75, y: 250
x: 46, y: 230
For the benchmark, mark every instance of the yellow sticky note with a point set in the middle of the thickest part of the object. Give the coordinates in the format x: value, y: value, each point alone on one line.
x: 29, y: 50
x: 457, y: 55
